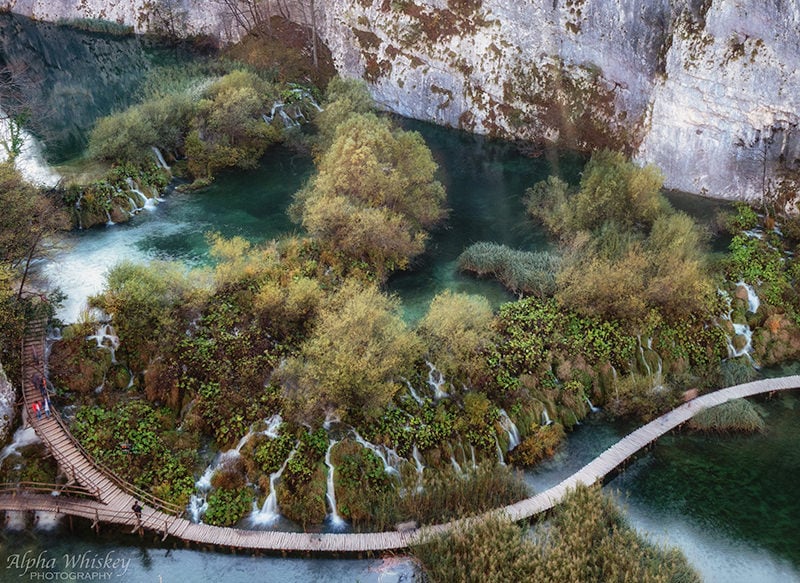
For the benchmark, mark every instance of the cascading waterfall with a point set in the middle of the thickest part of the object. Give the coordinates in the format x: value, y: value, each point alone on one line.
x: 23, y: 436
x: 511, y: 429
x: 592, y: 408
x: 743, y: 330
x: 455, y: 464
x: 384, y: 457
x: 546, y: 417
x: 160, y: 158
x: 413, y: 393
x: 198, y: 502
x: 436, y: 383
x: 420, y: 466
x: 273, y: 423
x: 29, y: 162
x: 500, y: 459
x: 269, y: 512
x: 336, y: 521
x: 109, y: 222
x: 472, y: 454
x: 106, y: 338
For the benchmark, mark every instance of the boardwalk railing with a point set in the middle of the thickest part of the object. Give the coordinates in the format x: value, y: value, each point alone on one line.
x: 162, y: 517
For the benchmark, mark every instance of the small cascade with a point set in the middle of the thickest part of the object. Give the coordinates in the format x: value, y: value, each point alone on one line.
x: 436, y: 383
x: 384, y: 457
x: 592, y: 408
x: 511, y: 429
x: 269, y: 512
x: 23, y: 436
x: 106, y: 338
x: 160, y: 158
x: 456, y: 467
x: 198, y: 502
x: 644, y: 359
x: 546, y: 417
x: 109, y: 222
x: 472, y: 455
x: 418, y: 460
x: 740, y: 330
x: 413, y: 393
x: 753, y: 302
x: 273, y: 423
x: 500, y: 459
x: 336, y: 521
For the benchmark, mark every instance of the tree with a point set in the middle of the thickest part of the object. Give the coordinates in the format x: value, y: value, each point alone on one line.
x: 457, y: 332
x: 28, y: 220
x: 354, y: 358
x: 374, y: 196
x: 169, y: 18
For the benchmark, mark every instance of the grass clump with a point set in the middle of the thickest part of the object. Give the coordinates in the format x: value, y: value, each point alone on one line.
x: 522, y: 272
x: 587, y: 539
x: 739, y: 415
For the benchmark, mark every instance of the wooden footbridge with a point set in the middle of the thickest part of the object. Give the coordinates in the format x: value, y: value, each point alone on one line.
x: 95, y: 493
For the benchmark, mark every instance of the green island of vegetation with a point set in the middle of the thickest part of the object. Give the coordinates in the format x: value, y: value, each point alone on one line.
x: 630, y: 310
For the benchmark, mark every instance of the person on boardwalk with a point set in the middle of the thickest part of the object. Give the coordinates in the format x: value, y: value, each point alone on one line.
x: 137, y: 510
x: 43, y: 387
x: 37, y: 408
x: 47, y: 406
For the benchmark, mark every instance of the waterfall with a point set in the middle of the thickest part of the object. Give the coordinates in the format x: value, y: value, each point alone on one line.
x: 413, y: 393
x: 546, y: 417
x: 388, y: 468
x: 417, y: 460
x: 22, y: 437
x: 336, y: 521
x: 500, y: 459
x: 198, y: 502
x: 434, y: 383
x: 753, y: 302
x: 269, y: 512
x: 511, y: 429
x: 107, y: 339
x: 456, y: 467
x: 109, y: 223
x: 644, y: 360
x: 592, y: 408
x: 472, y: 454
x: 29, y: 162
x: 160, y: 158
x: 273, y: 423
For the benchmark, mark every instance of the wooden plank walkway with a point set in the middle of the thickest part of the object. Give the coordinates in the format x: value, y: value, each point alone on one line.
x: 114, y: 497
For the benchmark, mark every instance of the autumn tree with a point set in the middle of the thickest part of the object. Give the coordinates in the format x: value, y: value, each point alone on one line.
x: 456, y: 330
x: 28, y: 221
x: 353, y: 361
x: 228, y: 128
x: 374, y: 197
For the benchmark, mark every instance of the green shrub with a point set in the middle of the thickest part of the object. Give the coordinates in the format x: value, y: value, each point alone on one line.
x: 227, y: 507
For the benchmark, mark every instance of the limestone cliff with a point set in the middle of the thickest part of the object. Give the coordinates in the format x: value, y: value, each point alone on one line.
x: 705, y: 89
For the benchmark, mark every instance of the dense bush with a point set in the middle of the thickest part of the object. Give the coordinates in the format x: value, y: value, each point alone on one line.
x: 226, y: 506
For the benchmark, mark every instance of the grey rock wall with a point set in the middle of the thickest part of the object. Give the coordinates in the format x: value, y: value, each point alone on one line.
x: 706, y: 89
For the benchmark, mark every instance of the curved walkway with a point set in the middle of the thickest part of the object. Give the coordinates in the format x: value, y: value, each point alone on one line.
x: 114, y: 497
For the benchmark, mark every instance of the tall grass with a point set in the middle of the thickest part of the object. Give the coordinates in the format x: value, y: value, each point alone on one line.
x: 531, y: 272
x: 586, y: 539
x: 97, y: 25
x: 739, y: 415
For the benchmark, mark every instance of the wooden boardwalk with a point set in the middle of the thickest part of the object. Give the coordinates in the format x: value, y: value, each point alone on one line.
x: 111, y: 498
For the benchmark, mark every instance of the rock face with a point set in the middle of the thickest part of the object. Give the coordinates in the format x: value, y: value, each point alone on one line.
x: 706, y: 89
x: 8, y: 399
